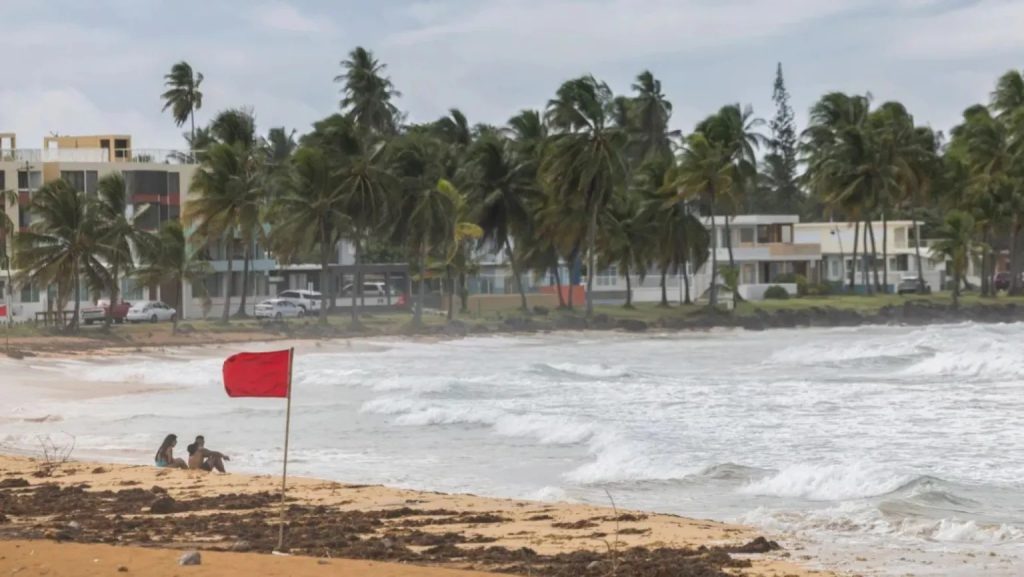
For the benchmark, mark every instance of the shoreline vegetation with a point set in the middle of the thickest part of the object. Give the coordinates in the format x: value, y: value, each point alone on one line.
x: 353, y: 529
x: 820, y: 312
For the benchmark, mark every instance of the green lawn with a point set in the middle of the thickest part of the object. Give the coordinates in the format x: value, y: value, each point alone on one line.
x: 397, y: 322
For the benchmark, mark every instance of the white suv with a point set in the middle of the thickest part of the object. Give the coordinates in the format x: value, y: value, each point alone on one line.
x: 308, y: 301
x: 374, y: 294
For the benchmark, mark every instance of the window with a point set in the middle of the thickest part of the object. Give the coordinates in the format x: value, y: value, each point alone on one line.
x: 746, y: 235
x: 763, y: 234
x: 213, y: 283
x: 833, y: 268
x: 608, y: 277
x: 83, y: 181
x: 899, y: 263
x: 24, y: 217
x: 3, y: 180
x: 29, y: 180
x: 29, y: 293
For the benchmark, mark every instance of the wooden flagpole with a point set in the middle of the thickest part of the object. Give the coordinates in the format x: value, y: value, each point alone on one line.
x: 284, y: 471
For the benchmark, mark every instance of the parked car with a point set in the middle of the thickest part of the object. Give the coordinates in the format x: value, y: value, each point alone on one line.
x: 910, y: 285
x: 278, y: 309
x: 374, y: 294
x: 98, y: 313
x: 150, y: 311
x: 308, y: 301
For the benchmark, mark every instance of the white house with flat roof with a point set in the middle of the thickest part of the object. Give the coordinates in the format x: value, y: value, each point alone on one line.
x: 765, y: 251
x: 902, y: 238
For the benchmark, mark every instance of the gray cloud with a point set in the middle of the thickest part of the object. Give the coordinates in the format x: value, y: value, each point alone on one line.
x: 98, y: 66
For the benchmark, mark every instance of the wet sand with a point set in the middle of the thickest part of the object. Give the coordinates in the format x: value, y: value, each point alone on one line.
x: 87, y: 507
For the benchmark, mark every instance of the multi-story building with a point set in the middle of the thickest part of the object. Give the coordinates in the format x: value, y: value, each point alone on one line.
x: 156, y: 179
x: 903, y: 243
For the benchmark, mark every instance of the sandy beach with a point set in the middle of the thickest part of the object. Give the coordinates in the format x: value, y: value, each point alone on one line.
x: 91, y: 518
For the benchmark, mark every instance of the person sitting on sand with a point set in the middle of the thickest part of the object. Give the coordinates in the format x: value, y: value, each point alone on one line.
x: 199, y: 457
x: 165, y: 454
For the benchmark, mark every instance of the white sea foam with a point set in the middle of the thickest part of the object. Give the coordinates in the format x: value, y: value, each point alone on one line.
x: 600, y: 371
x: 835, y: 482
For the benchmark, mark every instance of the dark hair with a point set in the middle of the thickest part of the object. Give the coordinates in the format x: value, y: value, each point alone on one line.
x: 192, y: 448
x: 168, y: 441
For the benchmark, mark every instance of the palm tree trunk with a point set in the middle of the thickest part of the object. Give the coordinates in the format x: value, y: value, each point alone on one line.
x: 420, y: 290
x: 78, y: 289
x: 728, y: 241
x: 874, y: 257
x: 686, y: 285
x: 664, y: 288
x: 515, y: 273
x: 1015, y: 288
x: 573, y: 257
x: 246, y: 257
x: 230, y: 277
x: 357, y: 281
x: 178, y: 304
x: 987, y: 284
x: 192, y: 143
x: 325, y: 274
x: 713, y: 295
x: 449, y: 283
x: 853, y: 261
x: 917, y: 255
x: 885, y: 252
x: 865, y: 273
x: 115, y: 291
x: 463, y: 293
x: 558, y: 285
x: 629, y: 290
x: 591, y: 259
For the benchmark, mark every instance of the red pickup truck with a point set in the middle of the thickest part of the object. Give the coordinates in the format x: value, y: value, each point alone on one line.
x: 98, y: 313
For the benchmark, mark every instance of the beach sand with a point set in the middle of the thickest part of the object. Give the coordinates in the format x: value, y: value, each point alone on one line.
x: 58, y: 524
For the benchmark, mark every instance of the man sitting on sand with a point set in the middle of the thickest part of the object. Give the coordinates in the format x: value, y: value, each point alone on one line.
x: 165, y: 454
x: 199, y: 457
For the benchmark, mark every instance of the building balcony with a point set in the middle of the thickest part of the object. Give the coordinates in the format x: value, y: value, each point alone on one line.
x: 96, y: 155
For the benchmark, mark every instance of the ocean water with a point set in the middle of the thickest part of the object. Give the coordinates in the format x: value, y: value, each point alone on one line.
x: 881, y: 450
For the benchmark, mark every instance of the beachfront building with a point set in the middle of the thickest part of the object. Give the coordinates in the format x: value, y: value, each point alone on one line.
x: 903, y: 237
x: 764, y: 250
x: 158, y: 179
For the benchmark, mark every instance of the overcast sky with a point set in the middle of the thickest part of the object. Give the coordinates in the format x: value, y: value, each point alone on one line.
x: 77, y: 67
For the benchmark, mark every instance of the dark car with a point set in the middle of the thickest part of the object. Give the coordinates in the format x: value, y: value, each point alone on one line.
x: 911, y: 285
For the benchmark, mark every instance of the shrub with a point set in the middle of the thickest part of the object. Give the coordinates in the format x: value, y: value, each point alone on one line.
x: 775, y: 292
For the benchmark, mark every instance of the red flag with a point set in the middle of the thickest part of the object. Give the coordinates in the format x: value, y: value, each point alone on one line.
x: 3, y: 311
x: 258, y: 374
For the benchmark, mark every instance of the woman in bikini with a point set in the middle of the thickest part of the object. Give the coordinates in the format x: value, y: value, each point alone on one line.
x: 165, y: 454
x: 199, y: 457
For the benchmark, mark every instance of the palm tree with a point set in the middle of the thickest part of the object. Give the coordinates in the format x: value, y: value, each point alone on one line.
x: 367, y: 93
x: 703, y: 170
x: 310, y: 215
x: 226, y: 199
x: 365, y: 191
x: 985, y: 146
x: 500, y: 186
x: 677, y: 235
x: 651, y: 112
x: 844, y: 163
x: 166, y: 259
x: 1008, y: 104
x: 63, y: 245
x: 626, y: 241
x: 183, y: 96
x: 586, y: 160
x: 432, y: 224
x: 8, y: 199
x: 733, y: 129
x: 119, y: 233
x: 955, y: 243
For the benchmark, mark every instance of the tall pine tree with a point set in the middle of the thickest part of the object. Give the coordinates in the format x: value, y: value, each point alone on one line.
x: 780, y: 193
